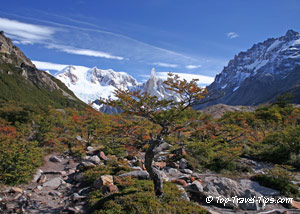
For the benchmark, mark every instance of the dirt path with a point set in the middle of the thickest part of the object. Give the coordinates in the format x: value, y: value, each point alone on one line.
x: 51, y: 191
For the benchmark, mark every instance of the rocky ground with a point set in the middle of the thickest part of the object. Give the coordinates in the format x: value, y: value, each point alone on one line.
x: 57, y: 186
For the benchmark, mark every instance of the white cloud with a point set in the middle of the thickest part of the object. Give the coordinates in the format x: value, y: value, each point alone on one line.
x: 232, y: 35
x: 193, y: 66
x: 49, y: 65
x: 166, y: 65
x: 85, y: 52
x: 25, y: 33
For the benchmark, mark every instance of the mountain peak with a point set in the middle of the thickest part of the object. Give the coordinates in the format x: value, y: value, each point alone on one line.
x: 291, y: 33
x: 12, y: 52
x: 268, y: 68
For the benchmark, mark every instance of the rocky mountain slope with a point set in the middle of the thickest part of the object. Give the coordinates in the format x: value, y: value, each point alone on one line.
x: 260, y: 74
x: 21, y: 81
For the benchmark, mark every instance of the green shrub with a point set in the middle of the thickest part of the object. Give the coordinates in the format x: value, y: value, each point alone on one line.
x: 137, y: 197
x: 112, y: 167
x: 18, y: 160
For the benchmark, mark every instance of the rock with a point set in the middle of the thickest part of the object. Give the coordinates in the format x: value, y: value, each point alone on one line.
x: 77, y: 197
x: 184, y: 195
x: 160, y: 158
x: 182, y: 163
x: 90, y: 150
x: 164, y: 146
x: 37, y: 175
x: 77, y: 177
x: 54, y: 159
x: 160, y: 164
x: 248, y: 184
x: 103, y: 181
x: 71, y: 161
x: 195, y: 187
x: 95, y: 159
x: 164, y: 176
x: 137, y: 174
x: 42, y: 179
x: 196, y: 175
x: 185, y: 177
x: 179, y: 182
x: 173, y: 165
x: 79, y: 138
x: 220, y: 187
x: 85, y: 165
x: 186, y: 171
x: 137, y: 168
x: 16, y: 190
x: 53, y: 183
x: 111, y: 188
x: 295, y: 204
x: 56, y: 194
x: 102, y: 156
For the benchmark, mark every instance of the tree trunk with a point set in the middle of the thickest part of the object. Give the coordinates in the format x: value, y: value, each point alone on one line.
x: 153, y: 172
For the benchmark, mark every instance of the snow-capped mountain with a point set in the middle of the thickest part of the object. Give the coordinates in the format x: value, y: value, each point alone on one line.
x: 89, y: 84
x: 260, y: 74
x: 155, y: 87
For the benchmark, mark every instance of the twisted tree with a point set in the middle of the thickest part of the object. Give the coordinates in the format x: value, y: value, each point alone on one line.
x: 169, y: 115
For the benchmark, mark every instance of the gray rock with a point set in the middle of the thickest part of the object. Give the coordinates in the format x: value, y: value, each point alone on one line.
x: 183, y: 163
x: 95, y: 159
x: 195, y: 187
x: 186, y: 171
x: 53, y: 183
x: 184, y: 195
x: 221, y: 187
x: 56, y: 194
x: 248, y: 184
x: 37, y: 175
x: 137, y: 168
x: 85, y: 165
x: 79, y: 138
x: 54, y: 159
x: 143, y: 175
x: 76, y: 197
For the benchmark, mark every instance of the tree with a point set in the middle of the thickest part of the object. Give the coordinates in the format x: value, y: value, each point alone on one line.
x: 168, y: 115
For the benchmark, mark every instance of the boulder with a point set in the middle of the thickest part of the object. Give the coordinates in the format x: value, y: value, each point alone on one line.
x: 85, y: 165
x: 111, y: 188
x: 143, y: 175
x: 184, y: 195
x: 95, y: 159
x: 16, y: 190
x: 103, y: 181
x: 53, y: 183
x: 182, y: 163
x: 160, y: 164
x: 220, y: 188
x: 248, y: 184
x: 195, y: 187
x: 102, y: 156
x: 37, y: 175
x: 54, y: 159
x: 186, y: 171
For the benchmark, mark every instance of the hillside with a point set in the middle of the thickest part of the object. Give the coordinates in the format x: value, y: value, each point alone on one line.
x: 22, y: 82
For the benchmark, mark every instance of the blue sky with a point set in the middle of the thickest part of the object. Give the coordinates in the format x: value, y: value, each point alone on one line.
x: 192, y: 37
